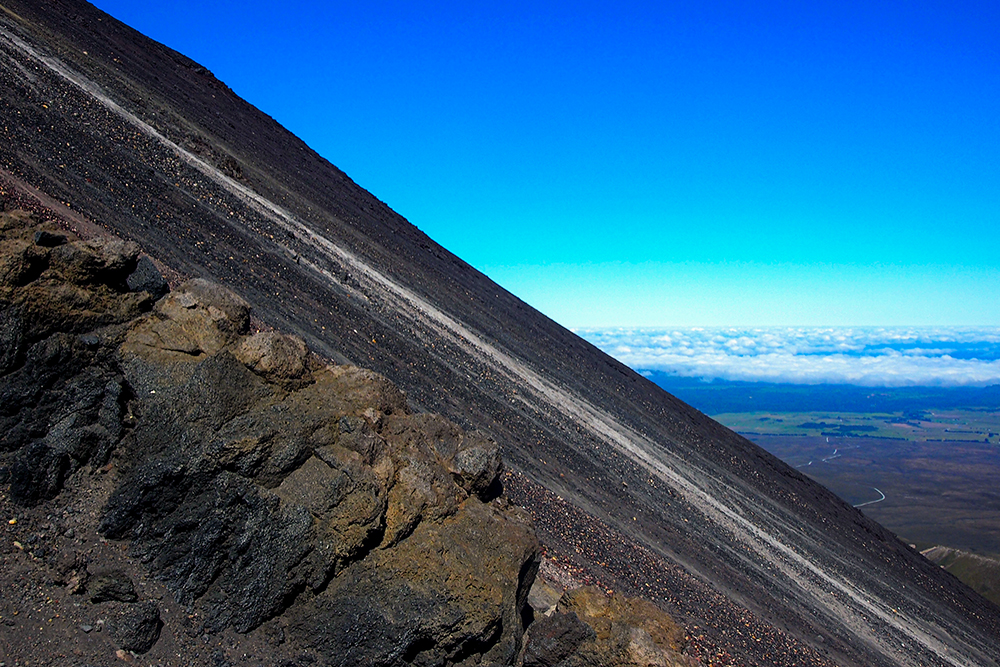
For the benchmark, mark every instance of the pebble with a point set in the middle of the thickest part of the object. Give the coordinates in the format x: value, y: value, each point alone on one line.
x: 86, y: 628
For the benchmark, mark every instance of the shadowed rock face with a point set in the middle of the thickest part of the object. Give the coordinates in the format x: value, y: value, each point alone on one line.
x: 141, y: 140
x: 62, y: 397
x: 253, y: 479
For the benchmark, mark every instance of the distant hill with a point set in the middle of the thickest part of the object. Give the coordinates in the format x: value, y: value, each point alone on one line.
x: 981, y: 573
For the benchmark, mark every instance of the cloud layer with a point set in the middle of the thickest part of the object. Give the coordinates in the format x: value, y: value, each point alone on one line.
x: 869, y: 356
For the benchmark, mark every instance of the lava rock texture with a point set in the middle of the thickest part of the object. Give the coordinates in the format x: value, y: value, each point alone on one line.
x: 588, y: 627
x: 253, y: 479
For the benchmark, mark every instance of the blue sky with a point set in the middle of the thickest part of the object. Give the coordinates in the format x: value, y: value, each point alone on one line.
x: 653, y: 164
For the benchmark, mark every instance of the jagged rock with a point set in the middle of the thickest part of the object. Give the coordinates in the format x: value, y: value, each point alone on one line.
x: 147, y: 278
x: 20, y: 262
x: 543, y: 597
x: 198, y: 318
x: 623, y: 632
x: 477, y: 465
x: 252, y: 479
x: 431, y: 600
x: 104, y: 260
x: 37, y: 473
x: 73, y: 288
x: 61, y: 409
x: 294, y: 487
x: 113, y: 585
x: 274, y: 356
x: 554, y: 638
x: 136, y: 627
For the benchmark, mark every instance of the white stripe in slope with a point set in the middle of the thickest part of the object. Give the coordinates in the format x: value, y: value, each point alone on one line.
x: 808, y: 576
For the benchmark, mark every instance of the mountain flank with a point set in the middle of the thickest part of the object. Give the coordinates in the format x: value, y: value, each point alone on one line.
x: 657, y: 500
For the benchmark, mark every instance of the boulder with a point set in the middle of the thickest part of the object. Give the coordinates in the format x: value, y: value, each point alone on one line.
x: 451, y: 593
x: 147, y: 278
x: 554, y: 638
x: 197, y: 319
x: 135, y: 627
x: 113, y: 585
x: 106, y: 261
x: 619, y: 632
x: 277, y: 357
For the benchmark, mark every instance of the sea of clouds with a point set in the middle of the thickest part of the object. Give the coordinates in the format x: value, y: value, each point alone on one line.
x: 870, y: 356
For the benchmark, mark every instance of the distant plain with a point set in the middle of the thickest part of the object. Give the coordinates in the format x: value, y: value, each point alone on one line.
x: 937, y: 467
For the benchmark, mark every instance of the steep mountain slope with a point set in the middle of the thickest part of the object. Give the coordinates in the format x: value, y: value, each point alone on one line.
x: 637, y: 489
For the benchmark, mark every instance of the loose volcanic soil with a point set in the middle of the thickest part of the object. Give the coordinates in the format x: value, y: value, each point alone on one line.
x: 47, y: 620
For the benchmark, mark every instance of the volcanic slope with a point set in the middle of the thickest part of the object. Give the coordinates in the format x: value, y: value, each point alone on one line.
x: 637, y: 489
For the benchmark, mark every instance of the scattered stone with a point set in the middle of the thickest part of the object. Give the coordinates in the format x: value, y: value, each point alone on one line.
x: 109, y: 586
x: 136, y: 627
x: 86, y: 628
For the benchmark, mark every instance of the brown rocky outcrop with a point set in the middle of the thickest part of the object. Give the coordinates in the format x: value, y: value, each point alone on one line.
x: 589, y: 629
x: 252, y: 478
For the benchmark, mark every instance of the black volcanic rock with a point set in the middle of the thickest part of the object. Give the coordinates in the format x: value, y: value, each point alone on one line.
x: 61, y: 399
x: 147, y: 278
x: 554, y: 638
x: 113, y: 585
x: 758, y: 557
x: 254, y: 480
x: 136, y: 627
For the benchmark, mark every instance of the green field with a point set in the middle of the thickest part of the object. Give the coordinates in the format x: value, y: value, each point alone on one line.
x: 924, y: 426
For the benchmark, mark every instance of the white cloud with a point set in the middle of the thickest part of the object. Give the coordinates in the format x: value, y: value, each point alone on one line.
x: 871, y: 356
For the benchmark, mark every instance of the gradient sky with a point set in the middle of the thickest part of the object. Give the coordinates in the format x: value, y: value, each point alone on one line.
x: 653, y: 164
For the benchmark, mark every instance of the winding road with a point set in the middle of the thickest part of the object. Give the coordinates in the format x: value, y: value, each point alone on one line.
x: 872, y: 502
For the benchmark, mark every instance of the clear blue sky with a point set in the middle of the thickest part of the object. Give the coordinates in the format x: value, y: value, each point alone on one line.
x: 698, y: 163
